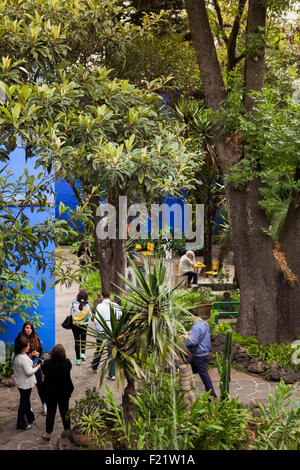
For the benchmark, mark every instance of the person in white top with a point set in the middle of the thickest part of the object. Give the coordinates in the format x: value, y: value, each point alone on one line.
x: 24, y: 379
x: 186, y: 267
x: 103, y: 310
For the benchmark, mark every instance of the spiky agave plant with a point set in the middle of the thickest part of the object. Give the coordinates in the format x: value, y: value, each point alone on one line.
x: 153, y: 308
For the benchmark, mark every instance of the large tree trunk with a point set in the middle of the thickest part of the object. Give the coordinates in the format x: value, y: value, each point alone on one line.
x: 270, y: 302
x: 127, y: 403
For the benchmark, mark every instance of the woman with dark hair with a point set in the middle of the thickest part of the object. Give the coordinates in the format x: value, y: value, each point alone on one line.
x: 57, y: 387
x: 36, y: 350
x: 24, y: 379
x: 81, y: 313
x: 83, y: 254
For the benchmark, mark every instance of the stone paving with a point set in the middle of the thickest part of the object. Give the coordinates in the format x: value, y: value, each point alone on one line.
x: 250, y: 389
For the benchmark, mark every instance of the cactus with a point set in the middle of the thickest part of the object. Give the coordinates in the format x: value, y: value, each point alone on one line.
x: 224, y: 366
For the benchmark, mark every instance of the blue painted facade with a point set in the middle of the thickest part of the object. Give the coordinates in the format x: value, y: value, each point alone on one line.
x: 46, y: 308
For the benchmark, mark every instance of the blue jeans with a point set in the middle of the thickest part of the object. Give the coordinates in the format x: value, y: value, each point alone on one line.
x: 199, y: 366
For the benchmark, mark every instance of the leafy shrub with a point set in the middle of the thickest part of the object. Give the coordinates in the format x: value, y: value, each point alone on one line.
x: 90, y: 404
x: 92, y: 285
x: 280, y: 353
x: 6, y: 369
x: 162, y: 421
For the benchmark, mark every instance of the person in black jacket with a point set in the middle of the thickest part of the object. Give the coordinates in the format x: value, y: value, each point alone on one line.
x: 57, y: 387
x: 84, y: 255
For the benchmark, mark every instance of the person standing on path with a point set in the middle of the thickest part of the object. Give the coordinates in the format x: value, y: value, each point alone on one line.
x: 58, y: 388
x: 36, y: 351
x: 84, y: 255
x: 103, y: 309
x: 81, y: 313
x: 199, y: 338
x: 24, y: 379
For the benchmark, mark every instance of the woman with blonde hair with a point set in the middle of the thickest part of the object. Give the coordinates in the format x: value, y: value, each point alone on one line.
x: 57, y: 387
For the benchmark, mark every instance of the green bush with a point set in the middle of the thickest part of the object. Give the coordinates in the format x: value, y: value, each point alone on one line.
x: 267, y: 353
x: 92, y: 285
x: 6, y: 369
x: 280, y: 428
x: 90, y: 403
x: 162, y: 421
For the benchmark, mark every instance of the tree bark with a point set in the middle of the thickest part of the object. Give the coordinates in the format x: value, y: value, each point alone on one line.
x: 127, y: 403
x: 110, y: 255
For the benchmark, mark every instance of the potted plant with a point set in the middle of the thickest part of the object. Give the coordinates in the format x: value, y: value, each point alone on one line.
x: 89, y: 426
x: 199, y: 303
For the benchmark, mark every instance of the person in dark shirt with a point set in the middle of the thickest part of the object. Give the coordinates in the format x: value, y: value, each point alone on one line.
x: 36, y: 351
x: 84, y: 255
x: 57, y: 387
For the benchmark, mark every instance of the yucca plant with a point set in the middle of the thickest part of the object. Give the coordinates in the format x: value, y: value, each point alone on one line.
x: 147, y: 325
x: 120, y: 335
x: 153, y: 308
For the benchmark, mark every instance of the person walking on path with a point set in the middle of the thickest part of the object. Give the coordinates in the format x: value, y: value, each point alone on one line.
x: 36, y: 351
x: 58, y: 388
x: 199, y: 340
x: 186, y: 267
x: 24, y: 379
x: 81, y: 313
x: 103, y: 309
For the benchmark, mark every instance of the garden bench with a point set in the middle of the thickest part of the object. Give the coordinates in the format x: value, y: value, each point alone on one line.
x: 219, y: 306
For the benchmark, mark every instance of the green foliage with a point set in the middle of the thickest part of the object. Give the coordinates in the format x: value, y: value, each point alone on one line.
x: 116, y: 415
x: 163, y: 423
x: 16, y: 299
x: 94, y: 426
x: 190, y: 299
x: 267, y: 353
x: 279, y: 427
x: 153, y: 55
x: 153, y: 309
x: 90, y: 404
x: 224, y: 366
x: 92, y: 285
x: 7, y: 369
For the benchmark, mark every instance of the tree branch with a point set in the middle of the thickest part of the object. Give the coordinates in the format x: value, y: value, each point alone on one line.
x: 209, y: 66
x: 255, y: 59
x: 231, y: 44
x: 76, y: 192
x: 220, y: 20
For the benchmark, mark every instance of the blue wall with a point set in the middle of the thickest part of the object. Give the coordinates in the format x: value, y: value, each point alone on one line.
x: 46, y: 308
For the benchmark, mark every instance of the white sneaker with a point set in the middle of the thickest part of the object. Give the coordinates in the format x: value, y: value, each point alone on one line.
x: 111, y: 377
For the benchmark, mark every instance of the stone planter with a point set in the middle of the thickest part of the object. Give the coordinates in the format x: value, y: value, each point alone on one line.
x: 82, y: 440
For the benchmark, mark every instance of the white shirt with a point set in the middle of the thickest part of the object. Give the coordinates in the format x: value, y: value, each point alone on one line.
x: 24, y: 373
x: 185, y: 264
x: 103, y: 309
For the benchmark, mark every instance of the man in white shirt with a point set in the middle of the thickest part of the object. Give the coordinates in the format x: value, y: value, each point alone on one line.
x: 103, y: 310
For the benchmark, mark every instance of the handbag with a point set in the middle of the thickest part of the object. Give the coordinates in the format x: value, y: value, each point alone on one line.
x: 68, y: 322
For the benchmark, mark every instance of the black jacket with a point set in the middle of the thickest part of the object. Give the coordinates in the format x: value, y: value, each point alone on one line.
x: 57, y: 378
